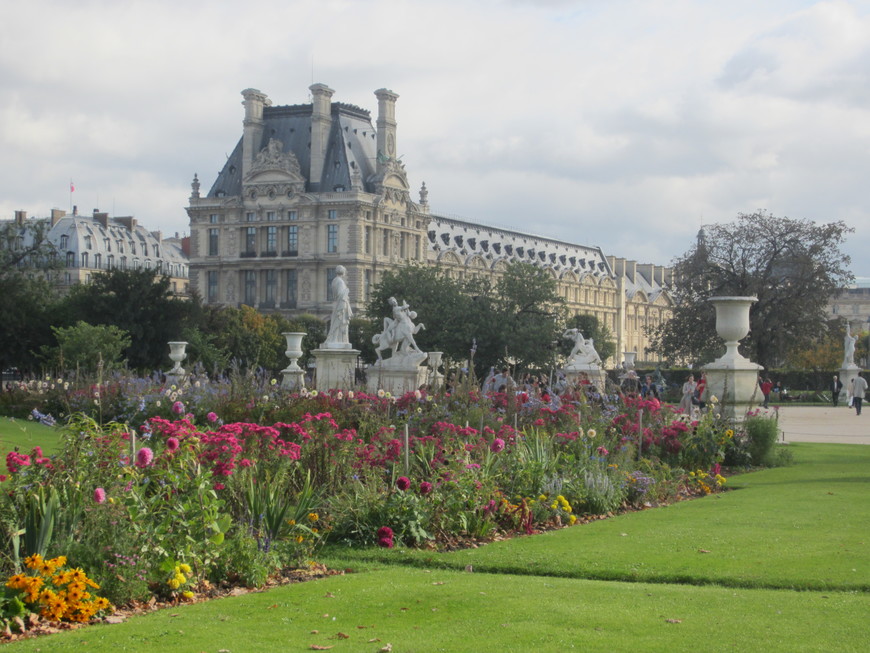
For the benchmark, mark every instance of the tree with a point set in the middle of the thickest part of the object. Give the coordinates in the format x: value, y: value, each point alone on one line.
x: 86, y: 348
x: 26, y: 244
x: 517, y: 319
x: 137, y: 301
x: 591, y: 327
x: 792, y: 266
x: 25, y: 327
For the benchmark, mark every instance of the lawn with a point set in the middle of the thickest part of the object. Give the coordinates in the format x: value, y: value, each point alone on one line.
x: 708, y: 570
x: 25, y: 435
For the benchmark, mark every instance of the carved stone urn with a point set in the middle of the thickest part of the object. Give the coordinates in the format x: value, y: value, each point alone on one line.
x: 732, y: 324
x: 630, y: 358
x: 176, y: 355
x: 293, y: 374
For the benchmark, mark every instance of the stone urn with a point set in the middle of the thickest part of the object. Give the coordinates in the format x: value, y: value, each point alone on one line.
x: 732, y: 324
x: 176, y: 355
x: 293, y: 374
x: 630, y: 358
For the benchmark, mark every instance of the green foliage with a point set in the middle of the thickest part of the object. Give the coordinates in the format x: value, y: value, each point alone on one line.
x: 39, y: 519
x: 762, y: 433
x: 27, y: 317
x: 792, y: 266
x: 87, y: 348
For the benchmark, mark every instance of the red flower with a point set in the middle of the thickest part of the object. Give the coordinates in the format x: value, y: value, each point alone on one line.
x: 403, y: 483
x: 425, y: 488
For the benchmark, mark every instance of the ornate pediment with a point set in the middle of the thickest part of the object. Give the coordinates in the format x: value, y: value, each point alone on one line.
x: 273, y: 157
x: 391, y: 180
x: 274, y: 172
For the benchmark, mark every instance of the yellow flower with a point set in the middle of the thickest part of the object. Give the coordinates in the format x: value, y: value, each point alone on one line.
x: 313, y: 516
x: 33, y: 561
x: 187, y: 595
x: 173, y: 583
x: 291, y: 522
x: 572, y: 519
x: 181, y: 578
x: 185, y: 568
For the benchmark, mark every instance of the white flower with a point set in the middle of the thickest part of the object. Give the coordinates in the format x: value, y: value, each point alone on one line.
x: 591, y: 433
x: 265, y: 398
x: 273, y: 381
x: 417, y: 394
x: 157, y: 403
x: 713, y: 399
x: 350, y: 394
x: 381, y: 393
x: 340, y: 395
x: 174, y: 387
x: 313, y: 393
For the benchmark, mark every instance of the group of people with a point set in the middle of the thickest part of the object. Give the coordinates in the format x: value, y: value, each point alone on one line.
x: 692, y: 400
x: 855, y: 391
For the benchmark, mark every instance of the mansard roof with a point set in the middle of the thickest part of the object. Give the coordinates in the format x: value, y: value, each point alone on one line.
x: 493, y: 244
x: 352, y: 147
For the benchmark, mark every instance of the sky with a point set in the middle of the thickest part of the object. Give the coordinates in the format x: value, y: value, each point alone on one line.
x: 621, y: 124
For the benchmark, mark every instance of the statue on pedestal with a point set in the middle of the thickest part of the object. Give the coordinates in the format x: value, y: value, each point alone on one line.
x: 849, y: 347
x: 399, y: 331
x: 337, y: 337
x: 583, y: 353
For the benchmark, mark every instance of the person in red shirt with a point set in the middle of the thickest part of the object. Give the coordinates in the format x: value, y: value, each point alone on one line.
x: 766, y: 387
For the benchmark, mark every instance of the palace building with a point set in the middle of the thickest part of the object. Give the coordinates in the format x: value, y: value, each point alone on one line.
x: 312, y: 186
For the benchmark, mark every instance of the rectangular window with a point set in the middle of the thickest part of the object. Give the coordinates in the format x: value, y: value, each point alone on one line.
x: 332, y: 238
x: 70, y: 259
x: 213, y: 218
x: 290, y: 297
x: 270, y: 286
x: 212, y: 286
x: 403, y: 245
x: 251, y: 241
x: 270, y: 216
x: 367, y: 288
x: 84, y: 256
x: 291, y: 215
x: 271, y: 240
x: 292, y: 241
x: 250, y: 287
x: 386, y: 242
x: 332, y: 214
x: 330, y: 276
x: 250, y: 216
x: 213, y: 241
x: 367, y: 240
x: 89, y: 242
x: 107, y: 244
x: 417, y: 253
x: 98, y: 261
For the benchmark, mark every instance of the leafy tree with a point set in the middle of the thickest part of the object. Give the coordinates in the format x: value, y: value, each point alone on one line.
x: 26, y: 245
x: 139, y: 302
x: 591, y: 327
x: 25, y: 327
x: 315, y: 328
x: 248, y: 337
x: 86, y: 347
x: 792, y: 266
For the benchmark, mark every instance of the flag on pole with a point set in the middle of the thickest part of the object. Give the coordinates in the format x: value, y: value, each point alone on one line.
x: 71, y: 186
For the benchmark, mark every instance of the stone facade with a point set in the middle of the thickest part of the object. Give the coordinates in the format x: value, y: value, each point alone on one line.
x: 313, y: 186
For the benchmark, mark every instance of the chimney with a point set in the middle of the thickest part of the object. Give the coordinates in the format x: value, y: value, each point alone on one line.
x: 631, y: 270
x: 20, y: 217
x: 185, y: 246
x: 75, y: 209
x: 321, y: 123
x: 158, y: 235
x: 102, y: 218
x: 386, y: 127
x: 252, y: 137
x: 56, y: 215
x: 647, y: 271
x: 128, y: 221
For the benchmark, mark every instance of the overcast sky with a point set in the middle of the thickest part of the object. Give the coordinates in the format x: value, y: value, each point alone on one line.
x: 614, y: 123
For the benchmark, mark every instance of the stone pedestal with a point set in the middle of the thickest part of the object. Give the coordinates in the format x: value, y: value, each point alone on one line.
x: 335, y: 368
x: 399, y: 374
x: 293, y: 375
x: 578, y: 374
x: 847, y: 375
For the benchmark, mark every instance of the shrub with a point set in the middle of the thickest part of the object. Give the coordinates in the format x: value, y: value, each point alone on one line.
x: 762, y: 433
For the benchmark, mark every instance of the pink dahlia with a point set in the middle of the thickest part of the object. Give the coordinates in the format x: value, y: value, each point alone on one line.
x: 178, y: 408
x: 385, y: 531
x: 212, y: 417
x: 403, y: 483
x: 100, y: 495
x: 172, y: 444
x: 497, y: 445
x: 386, y: 542
x: 425, y: 488
x: 144, y: 457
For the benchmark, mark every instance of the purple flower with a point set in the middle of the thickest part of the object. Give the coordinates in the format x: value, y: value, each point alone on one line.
x: 386, y: 542
x: 385, y: 531
x: 403, y: 483
x: 172, y: 444
x: 212, y: 417
x: 602, y: 451
x: 100, y: 495
x: 497, y: 445
x: 178, y: 408
x: 425, y: 488
x: 144, y: 457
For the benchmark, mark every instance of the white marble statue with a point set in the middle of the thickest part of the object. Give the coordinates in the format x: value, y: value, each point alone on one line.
x: 337, y: 337
x: 849, y: 346
x: 398, y: 333
x: 583, y: 352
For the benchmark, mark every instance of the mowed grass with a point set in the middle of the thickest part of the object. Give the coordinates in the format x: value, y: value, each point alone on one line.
x: 801, y: 527
x: 25, y: 435
x: 419, y: 611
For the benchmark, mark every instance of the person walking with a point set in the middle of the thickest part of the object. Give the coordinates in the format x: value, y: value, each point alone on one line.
x: 858, y: 391
x: 836, y: 389
x: 766, y: 387
x: 688, y: 392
